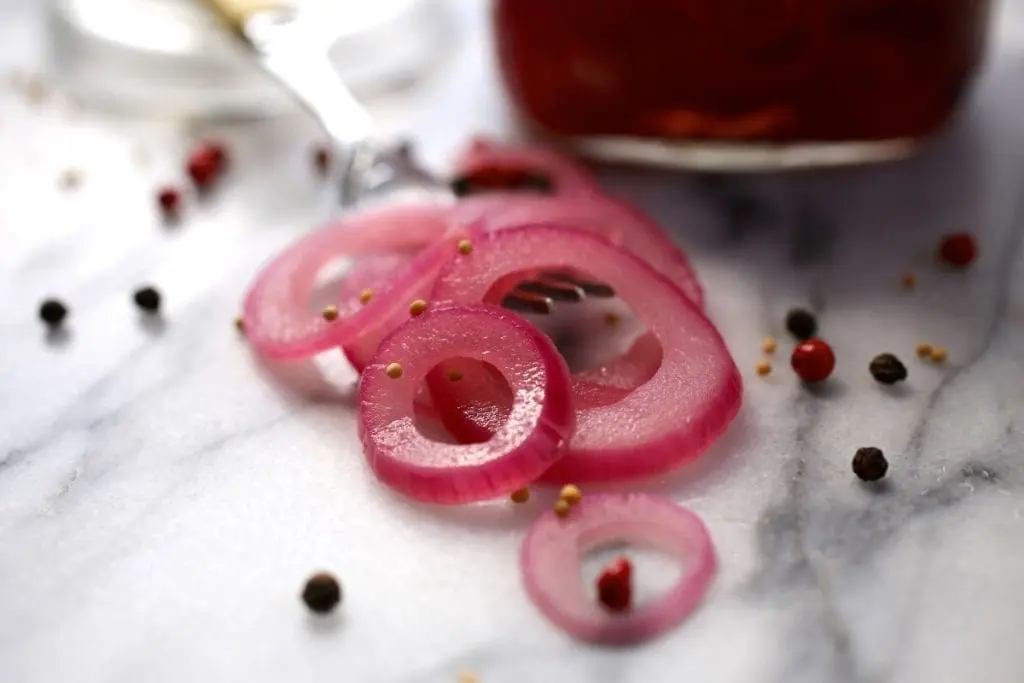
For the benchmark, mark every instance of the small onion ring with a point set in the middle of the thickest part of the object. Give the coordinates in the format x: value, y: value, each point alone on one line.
x: 551, y: 555
x: 540, y: 422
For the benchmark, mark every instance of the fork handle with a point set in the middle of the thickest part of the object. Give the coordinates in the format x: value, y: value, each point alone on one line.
x: 314, y: 81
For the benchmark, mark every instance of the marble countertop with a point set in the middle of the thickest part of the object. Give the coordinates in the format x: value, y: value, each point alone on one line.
x: 161, y: 501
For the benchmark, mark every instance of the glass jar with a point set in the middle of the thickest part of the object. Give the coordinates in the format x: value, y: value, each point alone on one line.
x: 173, y: 56
x: 740, y: 83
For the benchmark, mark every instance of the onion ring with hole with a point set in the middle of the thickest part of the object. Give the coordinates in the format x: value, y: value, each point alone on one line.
x: 540, y: 422
x: 551, y: 555
x: 617, y: 221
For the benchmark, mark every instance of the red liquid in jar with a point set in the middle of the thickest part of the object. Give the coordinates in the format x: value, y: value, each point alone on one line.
x: 740, y: 70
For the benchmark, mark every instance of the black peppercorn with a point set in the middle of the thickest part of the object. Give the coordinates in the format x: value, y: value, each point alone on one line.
x: 869, y: 464
x: 322, y: 593
x: 887, y: 369
x: 148, y: 299
x: 801, y: 323
x: 53, y: 312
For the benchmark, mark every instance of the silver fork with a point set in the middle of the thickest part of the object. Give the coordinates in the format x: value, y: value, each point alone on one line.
x: 291, y: 43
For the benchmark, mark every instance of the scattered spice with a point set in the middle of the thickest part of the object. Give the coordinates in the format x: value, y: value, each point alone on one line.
x: 958, y: 249
x: 924, y: 350
x: 813, y: 360
x: 205, y: 164
x: 169, y: 201
x: 562, y: 508
x: 53, y: 312
x: 520, y: 495
x: 909, y: 280
x: 394, y: 370
x: 365, y: 296
x: 768, y: 345
x: 615, y: 585
x: 801, y: 323
x: 612, y: 319
x: 571, y: 494
x: 330, y: 313
x: 147, y: 298
x: 69, y: 179
x: 465, y: 247
x: 240, y: 323
x: 322, y: 159
x: 869, y: 464
x: 939, y: 354
x: 454, y: 376
x: 322, y: 593
x: 763, y: 368
x: 417, y: 307
x: 887, y: 369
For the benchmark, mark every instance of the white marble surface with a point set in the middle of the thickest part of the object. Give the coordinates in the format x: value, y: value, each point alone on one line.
x: 161, y: 501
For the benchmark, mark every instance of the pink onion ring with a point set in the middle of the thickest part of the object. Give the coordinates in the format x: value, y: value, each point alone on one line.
x: 668, y: 420
x: 280, y: 321
x: 566, y: 175
x: 540, y: 422
x: 617, y: 221
x: 551, y: 554
x: 611, y: 382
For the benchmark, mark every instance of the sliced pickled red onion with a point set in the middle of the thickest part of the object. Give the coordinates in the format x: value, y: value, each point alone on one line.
x: 668, y: 420
x: 367, y: 274
x: 566, y: 175
x: 473, y: 404
x: 476, y: 402
x: 540, y: 422
x: 551, y: 558
x: 619, y: 222
x: 416, y: 278
x: 281, y: 320
x: 611, y: 382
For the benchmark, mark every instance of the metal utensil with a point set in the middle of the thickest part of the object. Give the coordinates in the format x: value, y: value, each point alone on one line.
x: 291, y: 43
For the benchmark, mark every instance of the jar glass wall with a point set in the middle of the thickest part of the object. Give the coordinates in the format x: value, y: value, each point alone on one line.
x: 172, y: 57
x: 740, y: 83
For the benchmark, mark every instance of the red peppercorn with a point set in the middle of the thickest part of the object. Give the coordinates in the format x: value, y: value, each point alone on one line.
x: 169, y: 199
x: 615, y: 585
x: 219, y: 152
x: 813, y: 360
x: 205, y: 164
x: 958, y: 249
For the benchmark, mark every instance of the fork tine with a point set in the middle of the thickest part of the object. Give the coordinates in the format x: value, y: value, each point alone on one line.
x: 555, y: 292
x: 527, y: 303
x: 589, y: 287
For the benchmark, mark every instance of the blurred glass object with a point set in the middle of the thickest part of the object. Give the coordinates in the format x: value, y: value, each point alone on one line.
x: 740, y: 84
x: 172, y: 57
